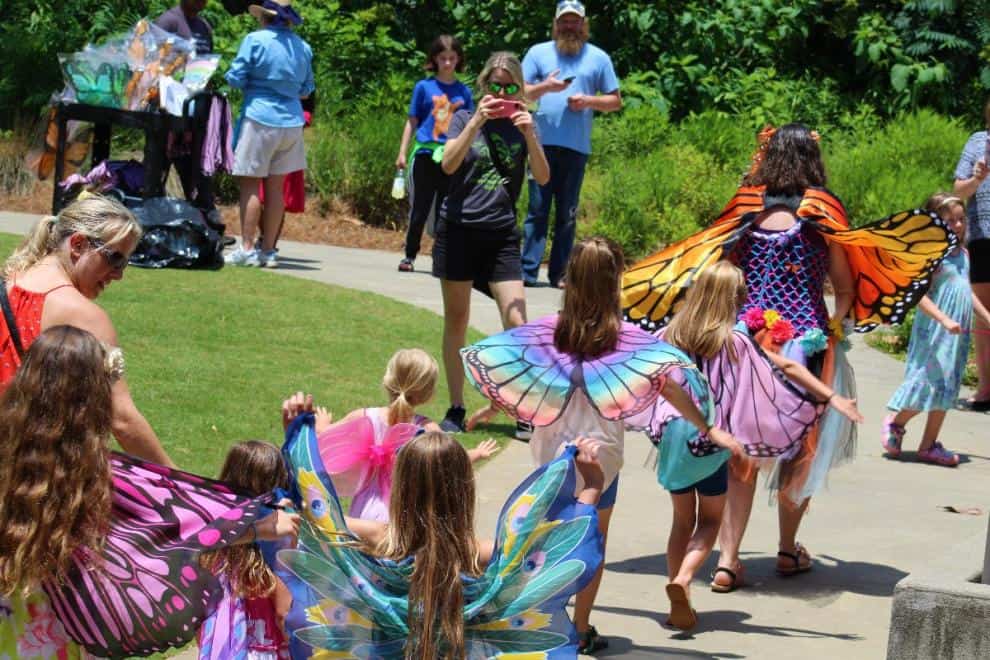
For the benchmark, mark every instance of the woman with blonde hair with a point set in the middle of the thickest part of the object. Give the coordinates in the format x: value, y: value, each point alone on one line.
x: 766, y: 413
x: 54, y: 277
x: 477, y: 238
x: 360, y: 449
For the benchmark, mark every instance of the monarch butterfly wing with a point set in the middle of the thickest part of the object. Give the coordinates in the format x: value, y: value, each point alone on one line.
x: 522, y: 372
x: 652, y: 288
x: 748, y: 199
x: 892, y: 262
x: 824, y: 206
x: 148, y: 591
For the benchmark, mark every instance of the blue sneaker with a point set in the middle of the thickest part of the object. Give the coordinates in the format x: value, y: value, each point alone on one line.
x: 242, y: 257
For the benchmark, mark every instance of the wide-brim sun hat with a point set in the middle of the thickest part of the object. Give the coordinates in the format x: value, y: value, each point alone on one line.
x: 258, y: 10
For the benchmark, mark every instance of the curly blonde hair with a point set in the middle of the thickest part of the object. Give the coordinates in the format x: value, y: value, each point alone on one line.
x: 55, y: 481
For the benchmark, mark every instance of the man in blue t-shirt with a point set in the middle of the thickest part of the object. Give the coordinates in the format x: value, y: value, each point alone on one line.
x: 571, y: 79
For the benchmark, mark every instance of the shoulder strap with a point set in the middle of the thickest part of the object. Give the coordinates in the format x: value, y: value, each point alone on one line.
x: 8, y: 317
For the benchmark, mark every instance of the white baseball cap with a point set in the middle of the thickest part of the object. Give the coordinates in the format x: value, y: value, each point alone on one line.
x: 569, y: 7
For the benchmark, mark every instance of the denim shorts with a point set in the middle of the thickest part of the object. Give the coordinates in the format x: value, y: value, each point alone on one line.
x: 715, y: 484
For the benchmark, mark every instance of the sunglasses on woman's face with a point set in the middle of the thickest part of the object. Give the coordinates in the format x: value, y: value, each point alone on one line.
x: 115, y: 259
x: 498, y: 88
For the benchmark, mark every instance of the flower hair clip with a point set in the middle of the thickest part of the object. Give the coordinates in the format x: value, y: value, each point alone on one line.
x: 763, y: 141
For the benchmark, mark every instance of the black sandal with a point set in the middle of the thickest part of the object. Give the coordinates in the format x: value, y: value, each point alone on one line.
x: 795, y: 557
x: 724, y: 588
x: 590, y: 641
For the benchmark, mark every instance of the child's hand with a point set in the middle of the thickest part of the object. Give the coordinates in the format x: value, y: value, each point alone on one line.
x: 952, y: 327
x: 294, y: 406
x: 482, y: 416
x: 725, y: 440
x: 847, y: 407
x: 587, y: 463
x: 324, y: 419
x: 484, y: 450
x: 278, y: 525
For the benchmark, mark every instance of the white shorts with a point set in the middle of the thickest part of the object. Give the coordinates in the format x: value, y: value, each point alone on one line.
x: 268, y: 150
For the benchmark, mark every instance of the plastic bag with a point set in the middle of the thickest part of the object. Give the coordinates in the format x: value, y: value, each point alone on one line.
x: 175, y: 236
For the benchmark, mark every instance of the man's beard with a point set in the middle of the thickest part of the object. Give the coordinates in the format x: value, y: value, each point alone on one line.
x: 569, y: 43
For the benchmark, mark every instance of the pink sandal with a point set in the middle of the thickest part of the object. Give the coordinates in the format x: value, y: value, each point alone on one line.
x: 938, y: 455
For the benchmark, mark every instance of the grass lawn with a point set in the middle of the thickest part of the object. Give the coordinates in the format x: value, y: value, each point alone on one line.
x: 211, y: 355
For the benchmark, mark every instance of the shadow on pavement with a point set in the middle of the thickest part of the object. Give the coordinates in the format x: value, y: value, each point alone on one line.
x: 829, y: 579
x: 709, y: 621
x: 625, y: 648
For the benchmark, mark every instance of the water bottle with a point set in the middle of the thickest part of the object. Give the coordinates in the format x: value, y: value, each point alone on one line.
x: 399, y: 185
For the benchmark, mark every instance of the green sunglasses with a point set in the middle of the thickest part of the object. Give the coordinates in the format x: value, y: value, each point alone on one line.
x: 496, y: 88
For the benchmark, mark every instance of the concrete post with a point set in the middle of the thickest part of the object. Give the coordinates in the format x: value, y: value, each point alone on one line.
x: 985, y: 577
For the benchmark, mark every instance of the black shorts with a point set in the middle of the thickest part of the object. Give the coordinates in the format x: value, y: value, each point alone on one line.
x: 461, y: 254
x: 979, y: 261
x: 713, y: 485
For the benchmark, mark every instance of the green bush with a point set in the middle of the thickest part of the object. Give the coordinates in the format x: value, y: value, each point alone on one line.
x: 353, y: 159
x: 877, y: 172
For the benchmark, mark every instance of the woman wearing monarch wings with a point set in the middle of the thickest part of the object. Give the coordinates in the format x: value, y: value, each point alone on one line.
x: 788, y: 233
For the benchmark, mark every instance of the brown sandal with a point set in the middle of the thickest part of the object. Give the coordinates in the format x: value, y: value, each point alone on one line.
x: 725, y: 588
x: 682, y: 615
x: 796, y: 557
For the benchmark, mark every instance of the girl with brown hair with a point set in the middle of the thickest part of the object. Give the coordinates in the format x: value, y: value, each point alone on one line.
x: 423, y: 585
x: 251, y: 589
x: 75, y: 517
x: 621, y: 372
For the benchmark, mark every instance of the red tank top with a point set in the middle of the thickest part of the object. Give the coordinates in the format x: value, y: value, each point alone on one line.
x: 27, y: 307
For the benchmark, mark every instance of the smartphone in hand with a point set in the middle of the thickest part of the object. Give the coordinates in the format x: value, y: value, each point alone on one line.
x: 569, y: 79
x: 507, y: 109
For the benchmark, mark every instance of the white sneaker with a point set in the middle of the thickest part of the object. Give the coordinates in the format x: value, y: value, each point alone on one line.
x: 242, y: 257
x: 269, y: 258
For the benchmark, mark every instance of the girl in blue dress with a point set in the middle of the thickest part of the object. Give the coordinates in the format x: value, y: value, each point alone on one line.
x: 939, y: 346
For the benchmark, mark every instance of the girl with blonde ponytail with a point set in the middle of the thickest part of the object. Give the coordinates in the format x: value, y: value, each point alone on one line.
x: 360, y: 449
x: 54, y: 277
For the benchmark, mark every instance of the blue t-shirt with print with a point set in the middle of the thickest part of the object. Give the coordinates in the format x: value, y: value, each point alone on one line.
x: 434, y: 104
x: 978, y: 209
x: 593, y: 74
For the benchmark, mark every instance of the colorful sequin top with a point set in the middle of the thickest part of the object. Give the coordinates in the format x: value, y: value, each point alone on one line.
x: 785, y: 271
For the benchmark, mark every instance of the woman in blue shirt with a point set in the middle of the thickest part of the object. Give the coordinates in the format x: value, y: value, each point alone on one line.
x: 274, y: 67
x: 434, y: 102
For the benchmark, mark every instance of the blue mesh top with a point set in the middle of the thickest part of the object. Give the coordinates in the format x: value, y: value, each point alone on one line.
x: 785, y: 271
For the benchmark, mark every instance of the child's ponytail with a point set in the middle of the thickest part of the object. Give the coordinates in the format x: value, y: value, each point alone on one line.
x: 410, y: 379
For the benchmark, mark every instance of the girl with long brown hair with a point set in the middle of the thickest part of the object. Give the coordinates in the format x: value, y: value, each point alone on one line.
x: 589, y: 328
x: 251, y: 589
x: 59, y: 507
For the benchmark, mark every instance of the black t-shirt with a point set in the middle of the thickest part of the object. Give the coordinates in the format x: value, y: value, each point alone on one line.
x: 478, y: 195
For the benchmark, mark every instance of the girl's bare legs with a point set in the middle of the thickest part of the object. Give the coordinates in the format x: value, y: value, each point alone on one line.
x: 701, y: 538
x: 681, y: 528
x: 904, y: 416
x: 585, y: 599
x: 456, y: 314
x: 738, y: 506
x: 932, y: 428
x: 982, y: 342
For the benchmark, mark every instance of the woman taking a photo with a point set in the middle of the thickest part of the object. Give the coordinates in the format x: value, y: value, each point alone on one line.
x: 477, y: 238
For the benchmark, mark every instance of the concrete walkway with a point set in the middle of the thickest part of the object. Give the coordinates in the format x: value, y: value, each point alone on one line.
x: 878, y: 521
